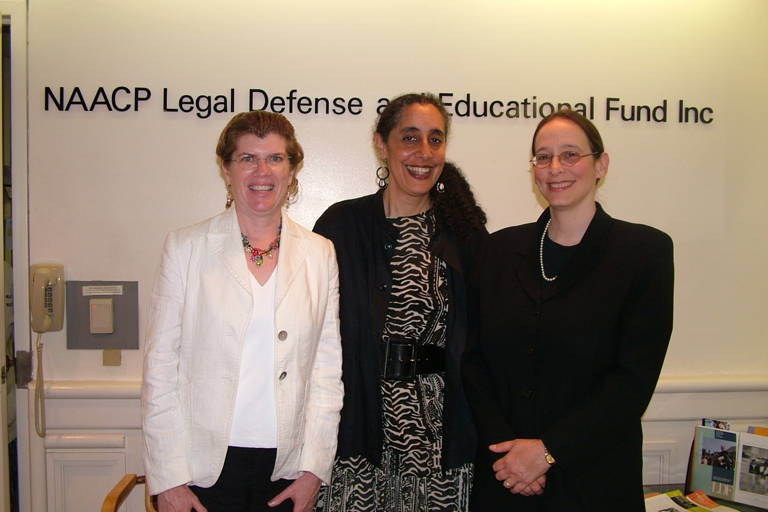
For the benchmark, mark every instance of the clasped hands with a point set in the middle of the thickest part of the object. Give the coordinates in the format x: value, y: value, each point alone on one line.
x: 522, y: 469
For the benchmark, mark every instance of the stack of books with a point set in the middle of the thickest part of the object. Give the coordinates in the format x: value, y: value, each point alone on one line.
x: 676, y: 501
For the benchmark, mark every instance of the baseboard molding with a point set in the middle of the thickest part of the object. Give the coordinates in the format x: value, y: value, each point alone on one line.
x: 712, y: 383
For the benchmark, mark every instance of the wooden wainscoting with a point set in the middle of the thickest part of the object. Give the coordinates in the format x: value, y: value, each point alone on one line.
x: 93, y: 439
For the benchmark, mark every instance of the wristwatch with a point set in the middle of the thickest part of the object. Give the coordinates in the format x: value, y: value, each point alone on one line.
x: 548, y: 457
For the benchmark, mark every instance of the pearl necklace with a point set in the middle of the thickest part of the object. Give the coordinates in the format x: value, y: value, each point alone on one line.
x: 541, y: 253
x: 255, y: 254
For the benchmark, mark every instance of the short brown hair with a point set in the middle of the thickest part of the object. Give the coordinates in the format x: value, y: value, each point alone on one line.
x: 261, y: 123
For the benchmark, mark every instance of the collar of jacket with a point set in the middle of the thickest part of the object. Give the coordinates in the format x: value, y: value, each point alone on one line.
x: 587, y: 256
x: 292, y: 253
x: 443, y: 243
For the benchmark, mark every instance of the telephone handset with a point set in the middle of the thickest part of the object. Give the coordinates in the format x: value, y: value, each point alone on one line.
x: 46, y: 313
x: 46, y: 296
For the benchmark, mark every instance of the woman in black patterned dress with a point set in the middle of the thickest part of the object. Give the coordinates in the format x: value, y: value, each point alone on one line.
x: 406, y: 437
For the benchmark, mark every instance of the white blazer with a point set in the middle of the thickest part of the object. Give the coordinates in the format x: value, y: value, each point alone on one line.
x: 200, y: 311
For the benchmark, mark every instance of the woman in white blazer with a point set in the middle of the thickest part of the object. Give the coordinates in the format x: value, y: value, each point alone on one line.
x: 242, y: 374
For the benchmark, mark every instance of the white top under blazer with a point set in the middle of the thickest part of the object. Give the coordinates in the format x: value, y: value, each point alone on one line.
x: 201, y: 306
x: 254, y: 424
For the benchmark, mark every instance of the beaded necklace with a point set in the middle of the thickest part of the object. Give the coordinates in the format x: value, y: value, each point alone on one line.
x: 541, y: 253
x: 255, y: 254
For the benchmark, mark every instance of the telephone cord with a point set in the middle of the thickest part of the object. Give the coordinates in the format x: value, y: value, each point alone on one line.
x: 40, y: 390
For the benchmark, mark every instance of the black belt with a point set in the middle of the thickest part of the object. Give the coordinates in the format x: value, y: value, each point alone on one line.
x: 403, y: 359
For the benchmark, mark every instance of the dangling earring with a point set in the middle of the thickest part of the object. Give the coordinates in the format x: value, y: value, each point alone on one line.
x: 382, y: 173
x: 440, y: 187
x: 230, y: 199
x: 293, y: 191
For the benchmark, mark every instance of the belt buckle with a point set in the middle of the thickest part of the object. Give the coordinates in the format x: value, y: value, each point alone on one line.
x: 412, y: 374
x: 400, y: 362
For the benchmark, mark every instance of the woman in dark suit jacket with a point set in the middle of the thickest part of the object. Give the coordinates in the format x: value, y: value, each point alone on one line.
x: 574, y: 315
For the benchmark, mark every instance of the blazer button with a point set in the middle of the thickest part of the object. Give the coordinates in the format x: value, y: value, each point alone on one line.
x: 388, y: 246
x: 282, y: 335
x: 282, y: 376
x: 383, y: 287
x: 530, y: 351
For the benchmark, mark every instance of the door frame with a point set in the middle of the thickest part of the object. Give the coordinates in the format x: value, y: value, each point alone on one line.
x: 16, y: 11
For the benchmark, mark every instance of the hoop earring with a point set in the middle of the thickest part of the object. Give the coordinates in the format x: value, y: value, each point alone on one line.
x: 293, y: 191
x: 440, y: 187
x: 230, y: 198
x: 382, y: 173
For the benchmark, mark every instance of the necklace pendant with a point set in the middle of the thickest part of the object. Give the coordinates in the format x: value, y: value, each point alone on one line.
x: 255, y: 254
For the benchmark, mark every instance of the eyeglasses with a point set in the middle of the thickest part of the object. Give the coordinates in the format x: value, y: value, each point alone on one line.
x: 248, y: 162
x: 566, y: 158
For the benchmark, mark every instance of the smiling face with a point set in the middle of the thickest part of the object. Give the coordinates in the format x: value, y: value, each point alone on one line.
x: 567, y: 187
x: 414, y: 151
x: 259, y: 173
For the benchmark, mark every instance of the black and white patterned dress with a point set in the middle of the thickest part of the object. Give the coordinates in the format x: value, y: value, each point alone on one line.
x: 410, y: 478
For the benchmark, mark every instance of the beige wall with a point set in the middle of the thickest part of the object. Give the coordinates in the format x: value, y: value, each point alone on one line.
x: 105, y: 186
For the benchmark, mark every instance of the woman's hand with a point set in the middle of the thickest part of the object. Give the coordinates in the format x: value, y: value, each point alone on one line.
x: 179, y: 499
x: 537, y: 487
x: 522, y: 468
x: 303, y: 491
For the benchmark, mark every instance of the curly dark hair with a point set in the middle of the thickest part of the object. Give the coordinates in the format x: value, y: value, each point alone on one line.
x: 391, y: 114
x: 456, y: 205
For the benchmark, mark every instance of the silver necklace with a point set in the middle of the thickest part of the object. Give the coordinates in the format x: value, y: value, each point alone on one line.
x: 541, y: 253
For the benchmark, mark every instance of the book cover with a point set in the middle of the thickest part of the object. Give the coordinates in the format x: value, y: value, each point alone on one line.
x: 702, y: 500
x: 761, y: 431
x: 714, y: 462
x: 752, y: 475
x: 730, y: 465
x: 711, y: 422
x: 673, y: 501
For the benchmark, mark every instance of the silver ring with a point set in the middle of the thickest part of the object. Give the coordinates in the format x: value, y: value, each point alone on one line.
x: 507, y: 484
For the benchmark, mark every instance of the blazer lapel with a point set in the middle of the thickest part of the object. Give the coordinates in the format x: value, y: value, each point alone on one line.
x: 526, y: 260
x: 293, y: 254
x: 586, y: 257
x: 227, y: 234
x: 527, y: 265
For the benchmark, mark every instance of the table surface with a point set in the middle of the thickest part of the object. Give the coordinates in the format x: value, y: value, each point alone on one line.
x: 671, y: 487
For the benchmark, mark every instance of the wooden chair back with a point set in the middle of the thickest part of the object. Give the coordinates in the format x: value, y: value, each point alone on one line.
x: 122, y: 489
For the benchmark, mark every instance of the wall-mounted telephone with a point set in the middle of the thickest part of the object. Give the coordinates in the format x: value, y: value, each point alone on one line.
x: 46, y: 313
x: 46, y: 296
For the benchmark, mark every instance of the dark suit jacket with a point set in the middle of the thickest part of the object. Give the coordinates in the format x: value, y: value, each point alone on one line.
x: 573, y: 362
